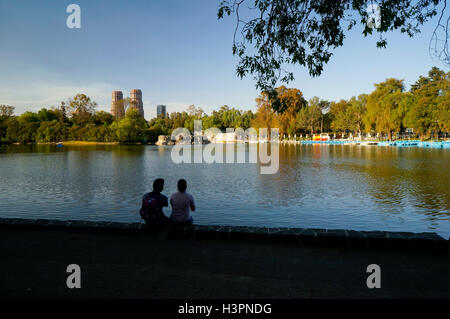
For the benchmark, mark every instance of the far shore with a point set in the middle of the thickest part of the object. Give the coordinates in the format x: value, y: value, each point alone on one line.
x: 75, y: 143
x: 82, y: 143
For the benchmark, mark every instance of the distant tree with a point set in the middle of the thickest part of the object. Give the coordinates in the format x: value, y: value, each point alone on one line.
x: 131, y: 128
x: 103, y: 118
x: 211, y: 121
x: 265, y: 116
x: 44, y: 115
x: 81, y: 108
x: 21, y: 130
x: 429, y: 103
x: 294, y: 101
x: 6, y: 111
x: 356, y: 111
x: 340, y: 120
x: 309, y: 117
x: 63, y: 111
x: 28, y: 117
x: 193, y: 111
x: 246, y: 119
x: 53, y: 131
x: 349, y: 115
x: 384, y: 114
x: 323, y: 106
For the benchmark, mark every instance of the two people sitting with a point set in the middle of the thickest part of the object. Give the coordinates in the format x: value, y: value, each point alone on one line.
x: 182, y: 203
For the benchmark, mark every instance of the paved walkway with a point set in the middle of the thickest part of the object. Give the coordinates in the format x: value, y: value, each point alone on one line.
x: 33, y: 264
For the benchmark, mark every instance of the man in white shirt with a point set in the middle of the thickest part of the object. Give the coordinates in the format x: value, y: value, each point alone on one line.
x: 182, y: 203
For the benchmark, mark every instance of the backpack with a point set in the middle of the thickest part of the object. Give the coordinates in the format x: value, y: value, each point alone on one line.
x: 151, y: 207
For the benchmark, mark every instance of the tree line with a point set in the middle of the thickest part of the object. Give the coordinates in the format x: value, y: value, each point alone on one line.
x: 389, y: 109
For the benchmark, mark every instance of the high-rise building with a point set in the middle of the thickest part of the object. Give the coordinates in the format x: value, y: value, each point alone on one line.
x: 136, y: 101
x: 117, y: 107
x: 161, y: 111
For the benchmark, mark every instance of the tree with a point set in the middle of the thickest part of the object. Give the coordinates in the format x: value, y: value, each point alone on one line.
x: 356, y: 112
x: 6, y: 111
x: 323, y: 106
x: 28, y: 117
x: 210, y: 121
x: 383, y: 112
x: 81, y: 108
x: 309, y: 117
x: 265, y: 116
x: 294, y: 101
x: 45, y: 115
x: 340, y: 120
x: 21, y: 131
x: 193, y: 111
x: 103, y: 118
x: 131, y: 128
x: 53, y: 131
x: 305, y: 32
x: 429, y: 103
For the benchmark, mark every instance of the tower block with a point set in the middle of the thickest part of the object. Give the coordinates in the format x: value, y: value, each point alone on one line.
x: 136, y: 101
x: 117, y: 107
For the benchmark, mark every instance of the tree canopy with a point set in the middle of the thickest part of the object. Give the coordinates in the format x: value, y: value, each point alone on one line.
x: 271, y: 34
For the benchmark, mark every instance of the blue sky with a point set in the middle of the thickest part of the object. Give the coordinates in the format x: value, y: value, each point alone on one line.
x: 176, y: 51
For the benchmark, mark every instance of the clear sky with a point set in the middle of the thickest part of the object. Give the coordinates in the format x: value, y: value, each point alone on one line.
x: 176, y: 51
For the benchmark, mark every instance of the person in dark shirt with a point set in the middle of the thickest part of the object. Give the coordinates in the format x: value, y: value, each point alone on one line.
x: 152, y: 205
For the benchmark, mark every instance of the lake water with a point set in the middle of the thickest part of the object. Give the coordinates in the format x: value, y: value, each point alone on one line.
x: 321, y: 186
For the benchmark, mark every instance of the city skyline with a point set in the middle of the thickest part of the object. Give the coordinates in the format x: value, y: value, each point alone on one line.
x: 47, y: 63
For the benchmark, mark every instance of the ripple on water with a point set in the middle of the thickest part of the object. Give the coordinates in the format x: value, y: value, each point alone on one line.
x: 327, y: 186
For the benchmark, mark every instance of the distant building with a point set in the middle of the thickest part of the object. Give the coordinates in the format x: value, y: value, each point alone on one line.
x: 161, y: 111
x: 117, y: 107
x: 136, y: 101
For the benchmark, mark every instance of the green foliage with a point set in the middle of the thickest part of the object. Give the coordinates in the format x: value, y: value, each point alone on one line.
x: 45, y: 115
x: 349, y: 115
x: 131, y: 128
x: 429, y: 103
x: 223, y: 118
x: 103, y: 118
x: 21, y: 131
x: 340, y: 115
x: 388, y: 109
x: 276, y: 33
x: 53, y: 131
x: 384, y: 111
x: 309, y: 117
x: 6, y: 111
x: 151, y: 134
x: 81, y: 109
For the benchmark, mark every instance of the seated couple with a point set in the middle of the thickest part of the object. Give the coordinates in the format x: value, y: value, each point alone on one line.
x: 182, y: 203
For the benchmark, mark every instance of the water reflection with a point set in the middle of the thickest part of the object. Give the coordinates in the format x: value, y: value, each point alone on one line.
x: 331, y: 186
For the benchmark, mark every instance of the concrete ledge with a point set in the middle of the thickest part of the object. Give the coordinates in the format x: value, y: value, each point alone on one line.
x: 298, y: 236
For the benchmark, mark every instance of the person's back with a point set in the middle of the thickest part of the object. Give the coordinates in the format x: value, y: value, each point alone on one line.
x: 182, y: 203
x: 153, y: 203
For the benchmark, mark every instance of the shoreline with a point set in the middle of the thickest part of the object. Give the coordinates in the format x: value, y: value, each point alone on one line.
x: 401, y: 143
x: 351, y: 239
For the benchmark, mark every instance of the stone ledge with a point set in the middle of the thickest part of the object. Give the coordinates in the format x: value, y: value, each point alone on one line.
x: 298, y: 236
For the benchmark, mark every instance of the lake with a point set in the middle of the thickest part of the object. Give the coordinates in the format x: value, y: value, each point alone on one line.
x: 318, y: 186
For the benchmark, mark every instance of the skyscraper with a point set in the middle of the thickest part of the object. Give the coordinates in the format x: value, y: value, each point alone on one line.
x: 117, y: 107
x: 161, y: 111
x: 136, y: 101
